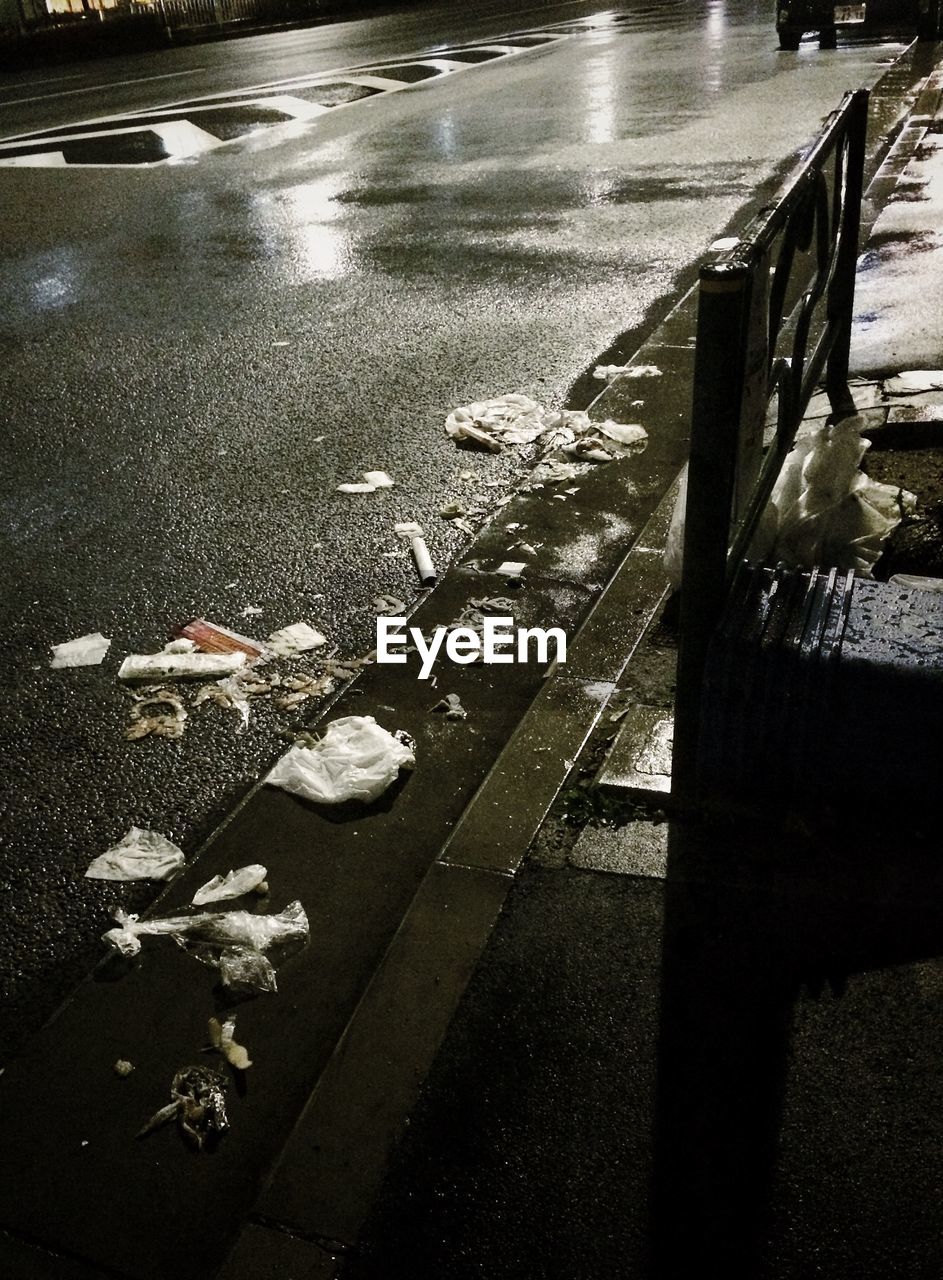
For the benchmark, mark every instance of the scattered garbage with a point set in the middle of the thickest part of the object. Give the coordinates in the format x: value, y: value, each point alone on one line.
x: 198, y: 1105
x: 913, y: 381
x: 356, y: 759
x: 229, y: 692
x: 234, y: 942
x: 518, y: 420
x: 209, y: 637
x: 221, y: 1038
x: 509, y: 419
x: 299, y: 688
x: 512, y: 568
x: 86, y: 651
x: 388, y: 604
x: 607, y: 372
x: 554, y: 471
x: 725, y: 242
x: 452, y: 707
x: 155, y: 667
x: 140, y: 855
x: 298, y: 638
x: 167, y: 721
x: 458, y: 514
x: 824, y: 510
x: 424, y: 566
x: 123, y: 1068
x: 408, y: 529
x: 233, y: 884
x: 372, y: 480
x: 622, y: 432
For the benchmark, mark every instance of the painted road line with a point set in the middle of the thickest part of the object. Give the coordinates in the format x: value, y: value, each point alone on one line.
x: 93, y: 88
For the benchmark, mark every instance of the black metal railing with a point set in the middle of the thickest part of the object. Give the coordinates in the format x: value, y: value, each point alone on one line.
x: 774, y: 315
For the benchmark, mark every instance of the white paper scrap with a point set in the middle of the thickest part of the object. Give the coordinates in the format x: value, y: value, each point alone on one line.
x: 512, y: 568
x: 379, y: 479
x: 86, y: 651
x: 298, y: 638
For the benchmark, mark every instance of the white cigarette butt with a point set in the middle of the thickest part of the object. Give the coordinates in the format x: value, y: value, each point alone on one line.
x: 424, y: 563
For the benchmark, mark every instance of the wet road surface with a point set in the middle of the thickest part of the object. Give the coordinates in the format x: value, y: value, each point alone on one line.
x: 196, y: 354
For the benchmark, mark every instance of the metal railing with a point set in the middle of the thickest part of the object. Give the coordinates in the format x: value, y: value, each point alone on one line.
x: 774, y: 314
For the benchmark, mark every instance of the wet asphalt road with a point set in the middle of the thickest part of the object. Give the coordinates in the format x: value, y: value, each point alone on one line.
x: 195, y: 355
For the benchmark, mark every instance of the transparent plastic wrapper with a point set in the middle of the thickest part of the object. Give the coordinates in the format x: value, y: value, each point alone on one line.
x: 140, y: 855
x: 825, y: 510
x: 357, y: 759
x: 234, y: 942
x: 233, y: 884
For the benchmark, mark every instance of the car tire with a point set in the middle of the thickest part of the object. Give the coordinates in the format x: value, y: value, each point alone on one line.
x: 790, y: 40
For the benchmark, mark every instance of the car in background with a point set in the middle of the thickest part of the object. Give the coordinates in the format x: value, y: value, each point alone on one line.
x: 795, y: 17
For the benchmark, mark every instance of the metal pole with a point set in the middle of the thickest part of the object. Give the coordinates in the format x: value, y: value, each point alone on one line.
x: 719, y: 363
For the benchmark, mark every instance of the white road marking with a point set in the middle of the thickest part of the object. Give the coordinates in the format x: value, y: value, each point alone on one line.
x: 182, y: 138
x: 11, y: 88
x: 93, y: 88
x: 38, y: 160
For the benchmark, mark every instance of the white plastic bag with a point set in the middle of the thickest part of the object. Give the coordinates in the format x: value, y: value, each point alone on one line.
x: 828, y: 511
x: 140, y: 855
x: 357, y: 759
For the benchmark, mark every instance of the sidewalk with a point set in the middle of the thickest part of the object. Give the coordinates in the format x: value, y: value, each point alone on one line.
x: 753, y: 1029
x: 527, y: 994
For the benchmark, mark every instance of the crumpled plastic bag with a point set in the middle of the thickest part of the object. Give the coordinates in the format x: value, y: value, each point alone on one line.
x: 232, y: 885
x: 824, y: 510
x: 234, y: 942
x: 357, y: 759
x: 140, y: 855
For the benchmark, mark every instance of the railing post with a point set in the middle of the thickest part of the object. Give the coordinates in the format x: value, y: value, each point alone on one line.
x: 719, y: 369
x: 841, y: 294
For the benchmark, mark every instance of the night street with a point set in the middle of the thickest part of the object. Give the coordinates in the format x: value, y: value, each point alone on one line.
x: 235, y: 275
x: 178, y: 341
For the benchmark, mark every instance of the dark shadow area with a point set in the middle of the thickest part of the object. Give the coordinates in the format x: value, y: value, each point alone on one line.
x: 752, y: 918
